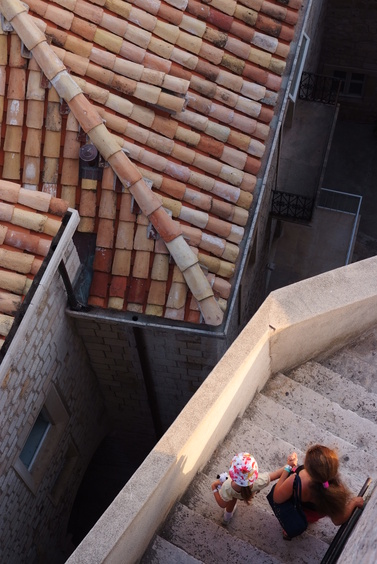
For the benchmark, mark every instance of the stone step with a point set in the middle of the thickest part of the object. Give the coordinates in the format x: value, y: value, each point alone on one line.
x: 270, y: 431
x: 348, y: 394
x: 209, y: 542
x: 279, y: 420
x: 323, y: 412
x: 161, y: 551
x: 271, y: 450
x: 256, y: 524
x: 329, y: 401
x: 356, y: 361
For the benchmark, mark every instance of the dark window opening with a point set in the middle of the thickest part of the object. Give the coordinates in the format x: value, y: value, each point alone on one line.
x: 35, y: 439
x: 352, y: 83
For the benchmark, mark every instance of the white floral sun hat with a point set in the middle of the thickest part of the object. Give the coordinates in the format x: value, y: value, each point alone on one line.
x: 243, y: 469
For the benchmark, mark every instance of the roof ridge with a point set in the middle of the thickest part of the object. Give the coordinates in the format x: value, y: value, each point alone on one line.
x: 130, y: 177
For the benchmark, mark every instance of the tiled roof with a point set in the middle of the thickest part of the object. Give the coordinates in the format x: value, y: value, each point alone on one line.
x: 28, y: 222
x: 177, y: 98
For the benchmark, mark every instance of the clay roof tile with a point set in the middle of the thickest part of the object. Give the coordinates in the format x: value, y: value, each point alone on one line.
x: 188, y: 89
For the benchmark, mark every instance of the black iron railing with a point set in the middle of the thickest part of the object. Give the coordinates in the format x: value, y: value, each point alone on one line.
x: 319, y: 88
x: 344, y: 531
x: 291, y: 206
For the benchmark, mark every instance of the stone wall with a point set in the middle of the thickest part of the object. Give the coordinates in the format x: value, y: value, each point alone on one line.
x: 147, y: 374
x: 46, y: 366
x: 294, y: 324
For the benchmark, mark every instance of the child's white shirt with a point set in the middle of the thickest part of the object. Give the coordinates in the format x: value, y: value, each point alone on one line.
x: 227, y: 493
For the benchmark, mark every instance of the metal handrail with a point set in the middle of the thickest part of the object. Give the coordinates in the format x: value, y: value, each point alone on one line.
x: 341, y: 537
x: 342, y: 196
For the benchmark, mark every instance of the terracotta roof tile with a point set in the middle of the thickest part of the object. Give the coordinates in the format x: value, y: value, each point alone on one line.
x: 100, y: 284
x: 88, y: 11
x: 103, y: 260
x: 138, y: 291
x: 28, y: 224
x: 121, y: 262
x: 157, y: 293
x: 118, y: 286
x: 189, y: 90
x: 160, y: 267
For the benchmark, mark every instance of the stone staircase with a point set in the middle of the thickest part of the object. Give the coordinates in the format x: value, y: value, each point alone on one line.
x: 330, y: 401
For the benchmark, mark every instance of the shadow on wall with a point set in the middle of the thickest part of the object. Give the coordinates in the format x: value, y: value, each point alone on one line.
x: 112, y: 465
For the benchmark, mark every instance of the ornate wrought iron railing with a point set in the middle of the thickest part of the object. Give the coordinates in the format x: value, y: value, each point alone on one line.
x: 319, y: 88
x: 291, y: 206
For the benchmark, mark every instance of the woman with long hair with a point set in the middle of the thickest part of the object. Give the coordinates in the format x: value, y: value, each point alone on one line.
x: 322, y: 491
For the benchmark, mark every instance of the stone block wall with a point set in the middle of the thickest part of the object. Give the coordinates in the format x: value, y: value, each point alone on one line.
x: 46, y: 365
x: 147, y: 374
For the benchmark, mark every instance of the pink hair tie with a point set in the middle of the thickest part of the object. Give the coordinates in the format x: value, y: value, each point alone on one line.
x: 325, y: 485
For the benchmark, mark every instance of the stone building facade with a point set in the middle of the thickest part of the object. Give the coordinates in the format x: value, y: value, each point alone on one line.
x: 45, y: 375
x: 99, y: 372
x: 349, y: 52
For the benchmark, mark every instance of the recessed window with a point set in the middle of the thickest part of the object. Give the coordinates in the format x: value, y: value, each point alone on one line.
x: 352, y: 83
x: 35, y: 439
x: 40, y: 444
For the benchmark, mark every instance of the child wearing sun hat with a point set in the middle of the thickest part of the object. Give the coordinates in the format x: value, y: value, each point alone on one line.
x: 245, y: 481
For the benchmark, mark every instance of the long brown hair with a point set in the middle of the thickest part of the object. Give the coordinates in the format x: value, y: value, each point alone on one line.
x: 322, y: 465
x: 246, y: 494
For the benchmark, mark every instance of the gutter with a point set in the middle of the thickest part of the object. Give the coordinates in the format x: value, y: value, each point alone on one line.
x: 92, y: 124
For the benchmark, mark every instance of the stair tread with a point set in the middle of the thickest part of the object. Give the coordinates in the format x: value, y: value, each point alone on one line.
x: 323, y: 412
x: 357, y: 361
x: 162, y: 550
x: 330, y: 384
x: 270, y: 431
x: 263, y: 530
x: 213, y: 543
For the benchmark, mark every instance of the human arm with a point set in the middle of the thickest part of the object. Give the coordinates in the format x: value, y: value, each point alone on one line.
x: 291, y: 461
x: 284, y: 487
x: 215, y: 491
x: 350, y: 507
